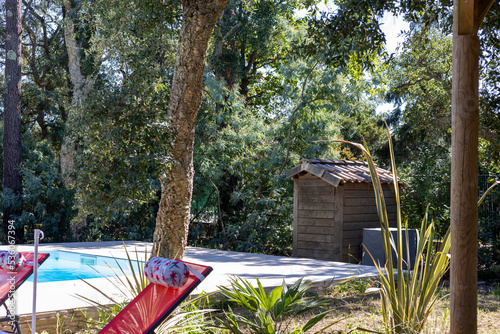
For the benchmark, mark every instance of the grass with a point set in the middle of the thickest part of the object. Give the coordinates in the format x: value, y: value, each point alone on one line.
x: 365, y: 311
x: 348, y: 303
x: 357, y: 310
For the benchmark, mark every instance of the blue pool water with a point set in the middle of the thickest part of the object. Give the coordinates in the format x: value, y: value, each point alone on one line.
x: 67, y: 266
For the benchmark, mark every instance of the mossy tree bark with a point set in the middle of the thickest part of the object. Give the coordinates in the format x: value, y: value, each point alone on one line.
x: 172, y: 220
x: 82, y: 85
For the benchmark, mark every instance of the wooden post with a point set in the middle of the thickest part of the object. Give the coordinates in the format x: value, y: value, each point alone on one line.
x: 296, y: 189
x: 467, y: 17
x: 464, y: 184
x: 338, y: 227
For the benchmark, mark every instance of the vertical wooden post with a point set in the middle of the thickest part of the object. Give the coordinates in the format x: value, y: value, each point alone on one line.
x: 464, y: 183
x: 296, y: 189
x: 467, y: 17
x: 338, y: 227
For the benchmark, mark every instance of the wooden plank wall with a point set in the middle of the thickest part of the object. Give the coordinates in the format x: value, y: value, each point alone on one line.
x: 314, y: 214
x: 329, y: 221
x: 360, y: 212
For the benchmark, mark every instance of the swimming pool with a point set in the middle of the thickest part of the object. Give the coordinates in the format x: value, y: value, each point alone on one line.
x: 68, y: 266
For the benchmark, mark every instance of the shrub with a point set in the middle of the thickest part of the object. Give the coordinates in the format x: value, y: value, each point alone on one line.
x: 270, y: 313
x: 45, y: 204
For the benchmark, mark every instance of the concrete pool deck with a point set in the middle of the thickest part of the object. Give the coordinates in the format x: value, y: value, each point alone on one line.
x: 271, y: 271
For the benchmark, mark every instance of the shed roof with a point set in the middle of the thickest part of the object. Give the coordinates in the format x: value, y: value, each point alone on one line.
x: 337, y: 172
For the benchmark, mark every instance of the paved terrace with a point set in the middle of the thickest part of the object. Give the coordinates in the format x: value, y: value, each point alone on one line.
x: 271, y: 271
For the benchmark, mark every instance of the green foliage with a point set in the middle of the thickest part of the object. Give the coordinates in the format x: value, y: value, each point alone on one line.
x: 489, y: 227
x: 136, y: 224
x: 45, y: 204
x: 345, y: 34
x: 426, y: 187
x: 124, y: 129
x: 489, y: 91
x: 45, y: 87
x: 242, y: 153
x: 195, y: 316
x: 358, y: 118
x: 250, y: 38
x: 236, y: 159
x: 407, y: 297
x: 351, y: 29
x: 103, y: 317
x: 489, y: 244
x: 419, y: 81
x: 272, y: 312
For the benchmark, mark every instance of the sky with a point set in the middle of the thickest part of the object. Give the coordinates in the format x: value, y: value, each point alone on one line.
x: 392, y: 27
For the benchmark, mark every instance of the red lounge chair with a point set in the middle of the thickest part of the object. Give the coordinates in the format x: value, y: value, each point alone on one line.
x: 153, y: 305
x: 9, y: 282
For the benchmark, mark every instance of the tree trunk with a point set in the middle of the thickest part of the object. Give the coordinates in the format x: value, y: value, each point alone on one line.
x: 81, y: 88
x: 12, y: 111
x: 172, y: 221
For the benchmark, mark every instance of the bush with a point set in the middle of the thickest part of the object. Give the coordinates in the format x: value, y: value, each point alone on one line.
x: 269, y: 313
x: 426, y: 188
x: 489, y: 229
x: 45, y: 203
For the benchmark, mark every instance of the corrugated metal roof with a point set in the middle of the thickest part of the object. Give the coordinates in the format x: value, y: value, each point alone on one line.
x: 340, y: 171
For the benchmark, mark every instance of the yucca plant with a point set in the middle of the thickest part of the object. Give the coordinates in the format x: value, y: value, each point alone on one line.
x: 132, y: 285
x: 127, y: 286
x: 407, y: 297
x: 192, y: 318
x: 270, y: 313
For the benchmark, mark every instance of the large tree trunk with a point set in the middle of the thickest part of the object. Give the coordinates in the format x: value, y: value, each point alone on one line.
x: 12, y: 111
x: 172, y: 221
x: 81, y: 88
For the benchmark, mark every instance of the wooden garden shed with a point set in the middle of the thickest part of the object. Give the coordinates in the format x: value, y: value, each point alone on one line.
x: 333, y: 202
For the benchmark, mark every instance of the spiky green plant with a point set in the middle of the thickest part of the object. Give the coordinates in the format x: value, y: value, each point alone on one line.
x: 270, y: 313
x: 126, y: 285
x: 407, y: 297
x: 195, y: 317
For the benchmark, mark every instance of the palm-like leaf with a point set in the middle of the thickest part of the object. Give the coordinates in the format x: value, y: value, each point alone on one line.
x: 269, y: 313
